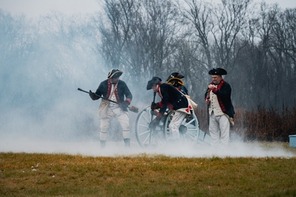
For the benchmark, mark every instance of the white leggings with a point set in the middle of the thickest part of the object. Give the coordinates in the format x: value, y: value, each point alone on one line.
x: 219, y: 129
x: 175, y: 123
x: 123, y: 119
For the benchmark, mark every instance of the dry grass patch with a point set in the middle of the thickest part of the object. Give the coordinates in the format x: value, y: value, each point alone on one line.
x: 144, y: 175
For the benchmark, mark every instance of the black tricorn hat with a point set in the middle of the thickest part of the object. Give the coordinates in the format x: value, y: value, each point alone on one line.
x: 153, y: 81
x: 218, y: 71
x: 175, y: 75
x: 175, y: 82
x: 114, y: 73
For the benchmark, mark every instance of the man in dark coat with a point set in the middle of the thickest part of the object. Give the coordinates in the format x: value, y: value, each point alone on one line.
x: 221, y: 111
x: 171, y: 99
x: 175, y: 79
x: 115, y: 90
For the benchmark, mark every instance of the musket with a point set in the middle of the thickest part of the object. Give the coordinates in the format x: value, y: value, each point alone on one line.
x: 131, y: 108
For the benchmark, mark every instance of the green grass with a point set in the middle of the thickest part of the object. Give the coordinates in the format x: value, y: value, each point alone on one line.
x: 144, y: 175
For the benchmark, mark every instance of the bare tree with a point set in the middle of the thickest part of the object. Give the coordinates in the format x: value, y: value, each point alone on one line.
x: 115, y: 30
x: 140, y: 35
x: 268, y: 58
x: 282, y: 56
x: 215, y: 33
x: 198, y: 15
x: 231, y: 18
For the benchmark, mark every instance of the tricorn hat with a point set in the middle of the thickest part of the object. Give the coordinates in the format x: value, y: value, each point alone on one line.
x: 218, y: 71
x: 175, y: 75
x: 114, y: 73
x: 175, y: 82
x: 153, y: 81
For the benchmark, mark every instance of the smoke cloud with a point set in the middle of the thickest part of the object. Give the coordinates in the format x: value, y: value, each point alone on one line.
x: 42, y: 111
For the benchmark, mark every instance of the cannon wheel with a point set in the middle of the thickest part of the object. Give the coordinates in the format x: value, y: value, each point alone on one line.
x: 145, y: 136
x: 189, y: 129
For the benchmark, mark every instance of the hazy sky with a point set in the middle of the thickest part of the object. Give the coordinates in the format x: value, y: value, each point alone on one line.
x: 33, y: 8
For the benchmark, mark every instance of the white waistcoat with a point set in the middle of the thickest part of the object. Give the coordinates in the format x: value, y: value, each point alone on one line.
x: 214, y: 105
x: 112, y: 97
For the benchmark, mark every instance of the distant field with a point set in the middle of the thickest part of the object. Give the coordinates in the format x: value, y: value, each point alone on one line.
x: 144, y: 175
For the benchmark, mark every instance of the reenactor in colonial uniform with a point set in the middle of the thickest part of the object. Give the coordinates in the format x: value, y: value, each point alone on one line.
x: 220, y: 108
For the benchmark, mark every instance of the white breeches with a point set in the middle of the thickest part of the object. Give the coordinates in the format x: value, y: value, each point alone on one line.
x: 219, y: 129
x: 123, y: 119
x: 175, y: 123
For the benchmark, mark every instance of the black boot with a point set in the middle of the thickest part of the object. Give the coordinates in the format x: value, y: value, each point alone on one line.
x: 103, y: 143
x: 127, y: 142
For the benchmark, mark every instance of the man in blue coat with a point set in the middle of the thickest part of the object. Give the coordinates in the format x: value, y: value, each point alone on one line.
x: 171, y: 99
x: 113, y: 89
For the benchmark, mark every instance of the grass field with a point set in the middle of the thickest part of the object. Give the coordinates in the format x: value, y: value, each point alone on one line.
x: 23, y: 174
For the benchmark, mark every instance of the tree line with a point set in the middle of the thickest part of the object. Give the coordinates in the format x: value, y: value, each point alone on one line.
x: 255, y: 43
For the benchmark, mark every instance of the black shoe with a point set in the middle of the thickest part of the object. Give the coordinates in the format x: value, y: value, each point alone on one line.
x: 127, y: 142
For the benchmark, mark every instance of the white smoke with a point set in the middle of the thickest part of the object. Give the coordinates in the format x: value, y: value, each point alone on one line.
x: 91, y: 147
x: 42, y: 111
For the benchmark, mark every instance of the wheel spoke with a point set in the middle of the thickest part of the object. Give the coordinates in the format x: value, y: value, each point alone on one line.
x: 192, y: 128
x: 146, y: 137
